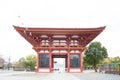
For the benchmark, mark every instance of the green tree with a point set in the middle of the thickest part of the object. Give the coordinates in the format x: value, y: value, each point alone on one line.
x: 29, y: 61
x: 94, y: 54
x: 115, y: 59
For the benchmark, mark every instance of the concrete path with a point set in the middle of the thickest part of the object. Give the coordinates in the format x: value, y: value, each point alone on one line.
x: 97, y: 76
x: 17, y: 75
x: 61, y: 76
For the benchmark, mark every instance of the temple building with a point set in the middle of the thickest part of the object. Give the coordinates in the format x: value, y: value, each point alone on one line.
x: 67, y: 43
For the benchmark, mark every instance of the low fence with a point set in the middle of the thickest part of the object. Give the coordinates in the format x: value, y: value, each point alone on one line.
x: 113, y: 68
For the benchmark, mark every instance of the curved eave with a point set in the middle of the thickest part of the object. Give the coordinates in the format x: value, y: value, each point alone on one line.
x: 56, y: 31
x: 59, y: 30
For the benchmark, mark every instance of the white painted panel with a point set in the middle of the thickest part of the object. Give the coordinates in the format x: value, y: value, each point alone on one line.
x: 44, y: 70
x: 75, y: 70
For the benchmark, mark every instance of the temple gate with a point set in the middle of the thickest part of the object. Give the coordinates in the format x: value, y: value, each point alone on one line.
x: 50, y: 43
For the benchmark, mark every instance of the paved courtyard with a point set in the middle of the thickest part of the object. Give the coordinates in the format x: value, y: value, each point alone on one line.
x: 17, y: 75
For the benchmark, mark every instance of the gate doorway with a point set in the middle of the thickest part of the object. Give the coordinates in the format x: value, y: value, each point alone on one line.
x: 59, y: 63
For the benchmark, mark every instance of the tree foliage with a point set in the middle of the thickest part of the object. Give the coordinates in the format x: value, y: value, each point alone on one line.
x: 29, y: 61
x: 94, y: 54
x: 115, y: 60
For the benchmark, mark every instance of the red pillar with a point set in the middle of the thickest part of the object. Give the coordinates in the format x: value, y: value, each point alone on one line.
x: 50, y: 53
x: 37, y: 62
x: 68, y: 62
x: 81, y: 63
x: 68, y: 54
x: 50, y: 67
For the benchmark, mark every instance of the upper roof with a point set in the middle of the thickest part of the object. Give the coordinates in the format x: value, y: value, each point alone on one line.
x: 34, y: 35
x: 59, y: 30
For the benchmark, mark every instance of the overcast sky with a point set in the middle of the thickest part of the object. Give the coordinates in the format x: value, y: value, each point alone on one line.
x: 57, y: 13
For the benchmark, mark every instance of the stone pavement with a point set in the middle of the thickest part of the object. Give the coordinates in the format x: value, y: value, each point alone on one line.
x: 61, y: 76
x: 97, y: 76
x: 17, y: 75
